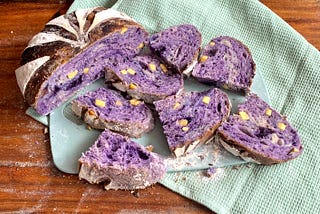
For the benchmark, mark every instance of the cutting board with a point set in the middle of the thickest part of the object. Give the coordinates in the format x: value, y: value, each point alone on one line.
x: 70, y: 137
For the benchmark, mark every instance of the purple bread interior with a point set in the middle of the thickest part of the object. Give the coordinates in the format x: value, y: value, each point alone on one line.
x: 178, y: 46
x: 118, y: 114
x: 150, y: 84
x: 191, y: 118
x: 60, y: 87
x: 261, y: 132
x: 120, y: 163
x: 226, y: 62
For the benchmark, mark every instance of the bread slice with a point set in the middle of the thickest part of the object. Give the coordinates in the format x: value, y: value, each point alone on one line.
x: 226, y: 63
x: 120, y: 163
x: 178, y: 46
x: 108, y: 109
x: 70, y: 52
x: 191, y: 118
x: 143, y: 77
x: 259, y: 133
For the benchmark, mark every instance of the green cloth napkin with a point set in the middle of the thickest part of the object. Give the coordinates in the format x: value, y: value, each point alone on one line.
x: 290, y: 67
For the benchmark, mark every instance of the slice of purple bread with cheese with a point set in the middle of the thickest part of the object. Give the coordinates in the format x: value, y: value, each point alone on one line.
x: 143, y: 77
x: 108, y: 109
x: 120, y: 163
x: 191, y: 118
x: 227, y: 63
x: 70, y: 53
x: 178, y: 46
x: 259, y: 133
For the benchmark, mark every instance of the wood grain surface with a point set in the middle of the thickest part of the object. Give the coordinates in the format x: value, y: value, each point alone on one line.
x: 29, y: 182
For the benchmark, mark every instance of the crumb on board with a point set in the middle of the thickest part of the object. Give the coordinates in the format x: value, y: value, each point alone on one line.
x: 149, y: 148
x: 211, y: 171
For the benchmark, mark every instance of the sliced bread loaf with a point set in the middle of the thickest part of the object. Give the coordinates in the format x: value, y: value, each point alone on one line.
x: 108, y: 109
x: 227, y: 63
x: 70, y: 53
x: 259, y: 133
x: 120, y: 163
x: 191, y: 118
x: 143, y: 77
x: 178, y: 46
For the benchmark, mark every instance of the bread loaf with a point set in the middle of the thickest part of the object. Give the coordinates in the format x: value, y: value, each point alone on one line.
x: 143, y: 77
x: 177, y: 46
x: 70, y: 53
x: 120, y: 163
x: 259, y: 133
x: 191, y: 118
x: 226, y: 63
x: 108, y: 109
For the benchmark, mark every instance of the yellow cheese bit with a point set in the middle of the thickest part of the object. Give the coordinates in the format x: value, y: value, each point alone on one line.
x: 100, y: 103
x: 281, y: 126
x: 123, y: 30
x: 152, y: 67
x: 72, y: 74
x: 185, y: 128
x: 163, y: 67
x: 91, y: 112
x: 86, y: 70
x: 141, y: 45
x: 225, y: 86
x: 244, y: 115
x: 124, y: 72
x: 294, y: 150
x: 134, y: 102
x: 118, y: 103
x: 132, y: 86
x: 206, y: 100
x: 203, y: 58
x: 183, y: 122
x: 149, y: 148
x: 131, y: 71
x: 212, y: 43
x: 176, y: 105
x: 268, y: 112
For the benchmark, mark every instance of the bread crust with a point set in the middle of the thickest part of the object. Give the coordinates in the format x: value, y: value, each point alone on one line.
x: 247, y: 152
x: 62, y: 39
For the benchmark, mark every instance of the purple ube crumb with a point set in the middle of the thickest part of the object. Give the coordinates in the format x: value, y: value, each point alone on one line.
x: 178, y: 46
x: 260, y: 133
x: 143, y: 77
x: 211, y: 171
x: 227, y: 63
x: 120, y: 163
x: 191, y: 118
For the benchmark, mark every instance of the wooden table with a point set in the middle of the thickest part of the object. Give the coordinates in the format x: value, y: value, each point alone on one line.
x: 29, y: 181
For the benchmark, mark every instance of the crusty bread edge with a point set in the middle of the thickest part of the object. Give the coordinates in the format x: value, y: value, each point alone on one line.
x: 258, y: 157
x: 203, y: 138
x: 97, y: 122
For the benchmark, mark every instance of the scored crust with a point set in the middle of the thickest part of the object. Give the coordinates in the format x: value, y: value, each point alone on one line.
x: 62, y: 39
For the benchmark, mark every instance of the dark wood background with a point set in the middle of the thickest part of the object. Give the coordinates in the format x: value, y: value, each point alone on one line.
x: 29, y: 182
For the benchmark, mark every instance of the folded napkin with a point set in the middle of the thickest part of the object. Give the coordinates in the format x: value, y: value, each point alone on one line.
x: 290, y: 67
